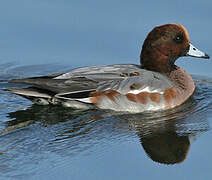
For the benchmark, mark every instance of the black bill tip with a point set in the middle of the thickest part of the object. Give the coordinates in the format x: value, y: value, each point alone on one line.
x: 206, y: 56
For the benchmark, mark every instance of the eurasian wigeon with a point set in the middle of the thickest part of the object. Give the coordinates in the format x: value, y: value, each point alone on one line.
x: 156, y: 84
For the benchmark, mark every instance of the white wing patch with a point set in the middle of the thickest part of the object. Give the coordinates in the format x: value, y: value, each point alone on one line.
x: 85, y: 100
x: 146, y: 89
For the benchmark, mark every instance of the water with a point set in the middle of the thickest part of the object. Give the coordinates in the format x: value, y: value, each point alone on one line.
x: 50, y: 142
x: 40, y: 142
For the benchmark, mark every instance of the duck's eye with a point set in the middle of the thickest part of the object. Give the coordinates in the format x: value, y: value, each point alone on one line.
x: 178, y: 39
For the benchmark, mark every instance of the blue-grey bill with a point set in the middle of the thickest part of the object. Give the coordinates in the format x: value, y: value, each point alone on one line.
x: 194, y: 52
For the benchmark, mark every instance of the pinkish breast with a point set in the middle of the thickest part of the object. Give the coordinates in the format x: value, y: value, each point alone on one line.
x: 183, y: 85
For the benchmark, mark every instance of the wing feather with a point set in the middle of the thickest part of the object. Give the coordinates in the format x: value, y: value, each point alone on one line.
x: 123, y: 78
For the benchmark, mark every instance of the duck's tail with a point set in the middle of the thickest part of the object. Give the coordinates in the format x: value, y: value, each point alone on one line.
x: 34, y: 94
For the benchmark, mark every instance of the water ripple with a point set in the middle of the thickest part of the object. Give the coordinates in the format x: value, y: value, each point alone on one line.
x: 30, y: 133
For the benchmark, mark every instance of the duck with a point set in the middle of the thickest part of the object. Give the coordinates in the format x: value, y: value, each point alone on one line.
x: 156, y: 84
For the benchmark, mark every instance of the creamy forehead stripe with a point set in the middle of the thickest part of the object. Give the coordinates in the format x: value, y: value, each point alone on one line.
x: 185, y: 31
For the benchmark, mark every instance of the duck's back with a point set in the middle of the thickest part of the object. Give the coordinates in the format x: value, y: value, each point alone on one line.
x: 121, y: 87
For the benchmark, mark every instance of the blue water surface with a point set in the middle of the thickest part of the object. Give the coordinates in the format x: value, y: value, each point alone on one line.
x: 49, y: 142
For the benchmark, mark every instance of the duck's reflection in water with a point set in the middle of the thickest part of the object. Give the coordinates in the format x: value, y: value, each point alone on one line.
x: 165, y: 136
x: 168, y: 148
